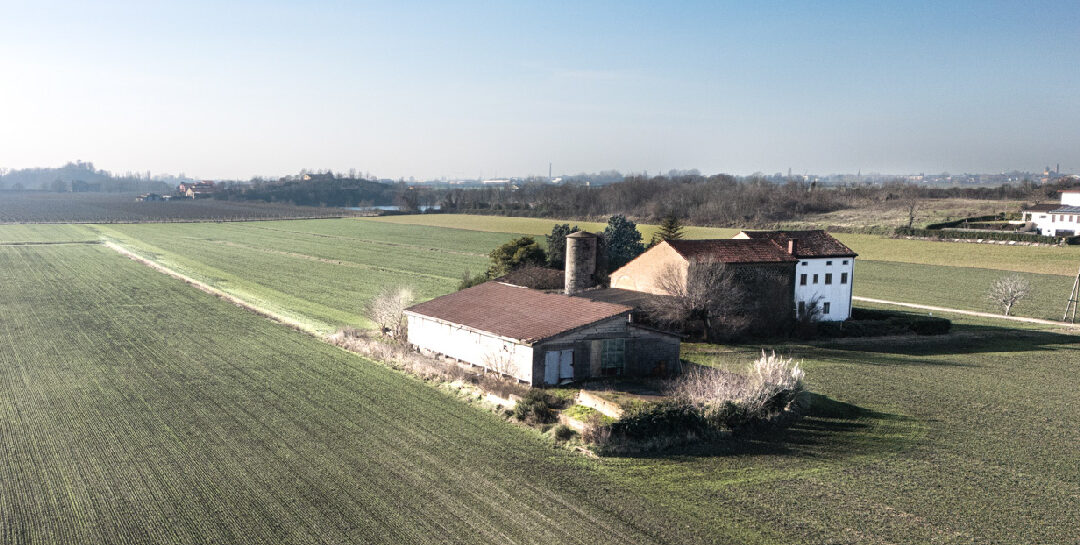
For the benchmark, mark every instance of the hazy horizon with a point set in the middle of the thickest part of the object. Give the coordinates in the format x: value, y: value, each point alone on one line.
x: 470, y: 90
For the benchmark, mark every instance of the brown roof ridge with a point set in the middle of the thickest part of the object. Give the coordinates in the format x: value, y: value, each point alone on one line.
x: 516, y: 312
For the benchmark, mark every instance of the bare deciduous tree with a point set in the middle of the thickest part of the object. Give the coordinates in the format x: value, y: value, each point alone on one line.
x: 707, y: 290
x: 912, y: 204
x: 1006, y: 291
x: 387, y: 310
x: 499, y: 362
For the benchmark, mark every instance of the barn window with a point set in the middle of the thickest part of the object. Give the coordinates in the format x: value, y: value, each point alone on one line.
x: 843, y: 278
x: 613, y: 356
x: 828, y: 278
x: 825, y: 308
x: 802, y: 280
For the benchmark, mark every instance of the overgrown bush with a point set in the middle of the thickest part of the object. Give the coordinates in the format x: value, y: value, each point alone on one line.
x: 562, y: 432
x: 880, y: 323
x: 674, y: 417
x: 730, y: 400
x: 387, y: 310
x: 535, y: 407
x: 399, y: 356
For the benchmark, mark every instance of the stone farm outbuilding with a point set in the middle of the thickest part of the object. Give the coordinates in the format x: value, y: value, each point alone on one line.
x: 540, y: 338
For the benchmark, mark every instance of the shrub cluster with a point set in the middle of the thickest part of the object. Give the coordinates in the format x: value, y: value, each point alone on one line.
x: 985, y: 235
x: 705, y: 402
x: 536, y: 407
x: 397, y: 355
x: 881, y: 323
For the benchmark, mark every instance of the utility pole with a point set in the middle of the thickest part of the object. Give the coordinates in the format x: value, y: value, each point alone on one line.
x: 1074, y: 298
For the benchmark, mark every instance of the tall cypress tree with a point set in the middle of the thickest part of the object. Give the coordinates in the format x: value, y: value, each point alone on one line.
x: 670, y: 229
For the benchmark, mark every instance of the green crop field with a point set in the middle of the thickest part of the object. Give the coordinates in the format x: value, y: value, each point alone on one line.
x: 320, y: 272
x: 1033, y: 259
x: 948, y: 274
x: 136, y: 409
x: 45, y: 233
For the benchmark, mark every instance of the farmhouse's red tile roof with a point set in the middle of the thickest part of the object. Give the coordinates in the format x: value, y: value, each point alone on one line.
x: 517, y: 313
x: 810, y: 243
x: 732, y: 250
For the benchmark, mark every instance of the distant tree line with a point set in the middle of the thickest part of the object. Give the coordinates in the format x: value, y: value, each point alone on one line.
x: 317, y: 190
x: 78, y: 177
x: 713, y: 200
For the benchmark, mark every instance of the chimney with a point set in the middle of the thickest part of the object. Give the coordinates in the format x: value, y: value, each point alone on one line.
x: 792, y: 244
x: 580, y: 261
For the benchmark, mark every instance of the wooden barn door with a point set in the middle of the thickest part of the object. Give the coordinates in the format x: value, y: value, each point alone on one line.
x: 558, y: 366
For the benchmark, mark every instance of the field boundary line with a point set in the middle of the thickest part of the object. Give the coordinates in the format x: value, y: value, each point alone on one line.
x: 49, y: 243
x: 967, y: 312
x: 202, y: 286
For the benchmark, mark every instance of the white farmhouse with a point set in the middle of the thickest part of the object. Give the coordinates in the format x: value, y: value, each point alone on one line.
x: 824, y: 273
x: 1056, y: 220
x: 540, y: 338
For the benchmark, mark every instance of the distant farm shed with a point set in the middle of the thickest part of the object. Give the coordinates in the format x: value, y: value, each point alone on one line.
x: 540, y: 338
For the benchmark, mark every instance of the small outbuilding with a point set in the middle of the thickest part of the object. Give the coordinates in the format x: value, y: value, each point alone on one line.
x: 540, y: 338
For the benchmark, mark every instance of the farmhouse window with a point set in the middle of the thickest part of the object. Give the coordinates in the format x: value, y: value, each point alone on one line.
x: 828, y: 263
x: 802, y: 280
x: 845, y: 262
x: 828, y: 278
x: 815, y: 279
x: 613, y: 356
x: 802, y: 308
x: 843, y: 278
x: 804, y: 263
x: 825, y: 308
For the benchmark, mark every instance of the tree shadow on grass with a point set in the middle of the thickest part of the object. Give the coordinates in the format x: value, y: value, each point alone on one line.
x: 828, y: 429
x: 965, y: 340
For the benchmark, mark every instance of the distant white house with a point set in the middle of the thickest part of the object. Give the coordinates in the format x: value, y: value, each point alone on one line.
x: 1056, y: 220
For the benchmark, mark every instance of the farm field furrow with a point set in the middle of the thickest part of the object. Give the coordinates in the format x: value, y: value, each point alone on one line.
x: 1032, y: 259
x: 135, y: 409
x: 45, y: 233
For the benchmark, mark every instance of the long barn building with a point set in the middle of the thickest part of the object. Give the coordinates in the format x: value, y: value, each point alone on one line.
x: 540, y: 338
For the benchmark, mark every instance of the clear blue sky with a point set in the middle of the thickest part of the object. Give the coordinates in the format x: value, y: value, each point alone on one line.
x: 234, y: 89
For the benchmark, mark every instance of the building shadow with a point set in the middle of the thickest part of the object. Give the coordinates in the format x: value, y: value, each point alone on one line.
x: 827, y: 429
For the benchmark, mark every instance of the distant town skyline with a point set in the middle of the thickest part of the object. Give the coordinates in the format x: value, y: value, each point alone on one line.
x: 470, y: 90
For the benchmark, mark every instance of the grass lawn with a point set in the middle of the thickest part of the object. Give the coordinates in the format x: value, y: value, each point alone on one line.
x: 957, y: 287
x: 968, y: 438
x: 136, y: 409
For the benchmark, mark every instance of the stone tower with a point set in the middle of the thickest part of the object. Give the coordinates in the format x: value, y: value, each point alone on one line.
x: 580, y: 261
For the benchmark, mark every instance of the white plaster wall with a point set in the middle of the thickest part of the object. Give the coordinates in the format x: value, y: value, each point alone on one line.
x: 836, y: 294
x: 468, y: 345
x: 1049, y: 226
x: 1070, y: 198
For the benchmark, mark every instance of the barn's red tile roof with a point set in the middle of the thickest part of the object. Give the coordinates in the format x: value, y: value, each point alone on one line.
x: 517, y: 313
x: 810, y: 243
x: 732, y: 250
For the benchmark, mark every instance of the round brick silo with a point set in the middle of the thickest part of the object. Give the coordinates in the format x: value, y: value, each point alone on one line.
x: 580, y: 261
